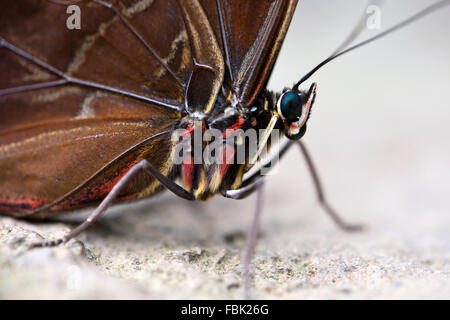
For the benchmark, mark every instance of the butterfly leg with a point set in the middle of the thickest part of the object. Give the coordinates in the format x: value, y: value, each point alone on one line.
x: 100, y: 210
x: 246, y: 190
x: 323, y: 201
x: 254, y: 183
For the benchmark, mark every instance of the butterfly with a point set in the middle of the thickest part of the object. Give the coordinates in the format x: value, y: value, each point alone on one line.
x: 96, y: 115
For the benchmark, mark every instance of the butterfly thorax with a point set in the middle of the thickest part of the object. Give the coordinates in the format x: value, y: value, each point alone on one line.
x: 211, y: 153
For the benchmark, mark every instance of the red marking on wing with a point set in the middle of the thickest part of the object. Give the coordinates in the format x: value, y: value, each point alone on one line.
x: 96, y: 193
x: 21, y: 205
x: 227, y: 155
x: 188, y: 171
x: 236, y: 126
x: 191, y: 129
x: 188, y: 131
x: 261, y: 81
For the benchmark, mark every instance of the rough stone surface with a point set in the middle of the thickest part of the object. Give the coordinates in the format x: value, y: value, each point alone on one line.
x: 179, y: 250
x: 380, y: 139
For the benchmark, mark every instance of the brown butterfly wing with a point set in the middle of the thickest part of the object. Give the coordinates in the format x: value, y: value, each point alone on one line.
x: 104, y: 50
x: 254, y: 32
x: 42, y: 160
x: 67, y: 145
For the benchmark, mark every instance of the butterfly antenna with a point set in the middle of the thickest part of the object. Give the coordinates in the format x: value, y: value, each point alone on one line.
x: 339, y: 52
x: 357, y: 29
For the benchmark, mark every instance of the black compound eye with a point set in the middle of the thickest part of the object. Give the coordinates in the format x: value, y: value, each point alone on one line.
x: 291, y: 105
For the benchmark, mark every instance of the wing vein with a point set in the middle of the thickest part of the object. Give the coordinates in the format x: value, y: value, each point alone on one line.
x: 68, y: 79
x: 224, y: 40
x: 142, y: 40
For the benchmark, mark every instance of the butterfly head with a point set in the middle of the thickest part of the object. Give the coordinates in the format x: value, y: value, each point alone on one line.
x: 294, y: 107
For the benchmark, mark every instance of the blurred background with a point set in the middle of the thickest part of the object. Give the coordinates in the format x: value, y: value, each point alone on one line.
x: 379, y: 135
x: 379, y: 131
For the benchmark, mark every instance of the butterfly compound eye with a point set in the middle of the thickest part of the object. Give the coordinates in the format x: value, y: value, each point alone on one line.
x: 290, y: 105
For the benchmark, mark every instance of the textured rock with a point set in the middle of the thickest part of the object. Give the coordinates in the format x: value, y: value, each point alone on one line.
x: 384, y: 161
x: 169, y: 249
